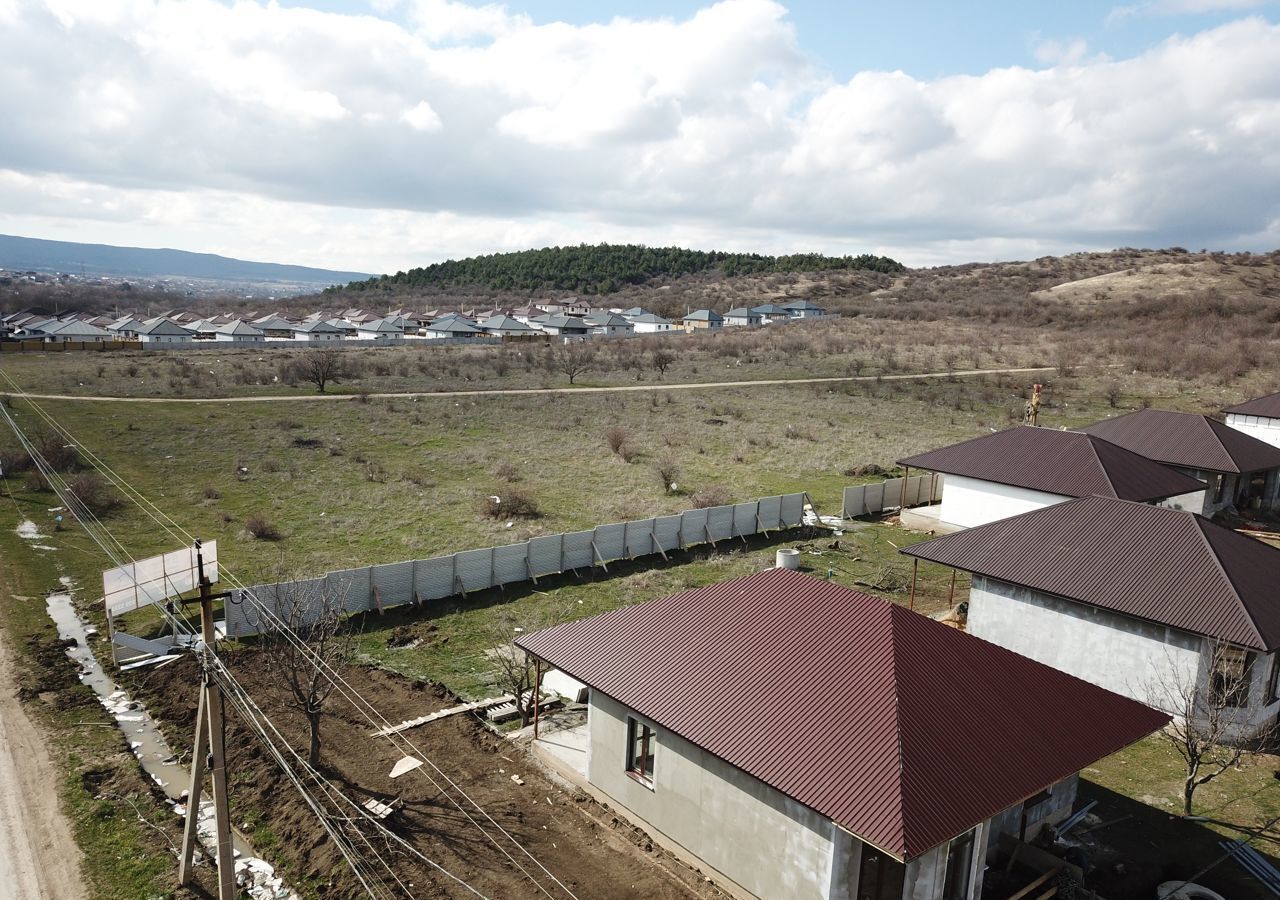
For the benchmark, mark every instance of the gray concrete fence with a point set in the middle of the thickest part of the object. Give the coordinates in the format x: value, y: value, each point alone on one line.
x: 870, y: 499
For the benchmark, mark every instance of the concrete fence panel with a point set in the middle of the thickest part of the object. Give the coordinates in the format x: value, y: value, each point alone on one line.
x: 474, y: 569
x: 545, y: 555
x: 770, y: 509
x: 433, y: 578
x: 666, y: 531
x: 693, y: 527
x: 792, y: 510
x: 639, y: 538
x: 393, y: 583
x: 611, y: 542
x: 510, y: 563
x: 578, y: 552
x: 744, y: 519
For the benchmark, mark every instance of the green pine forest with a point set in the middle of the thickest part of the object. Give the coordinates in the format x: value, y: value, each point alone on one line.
x: 604, y: 268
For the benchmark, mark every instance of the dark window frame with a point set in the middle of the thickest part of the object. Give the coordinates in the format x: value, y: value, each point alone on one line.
x: 1273, y: 681
x: 1226, y: 687
x: 957, y: 880
x: 642, y: 742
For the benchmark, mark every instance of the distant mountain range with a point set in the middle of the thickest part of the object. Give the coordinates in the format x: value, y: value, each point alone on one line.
x: 33, y: 254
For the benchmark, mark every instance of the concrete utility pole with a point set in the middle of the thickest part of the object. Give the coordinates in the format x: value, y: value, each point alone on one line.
x: 210, y: 740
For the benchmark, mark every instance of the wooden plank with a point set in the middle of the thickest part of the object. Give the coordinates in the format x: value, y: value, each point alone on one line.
x: 1038, y: 883
x: 442, y: 714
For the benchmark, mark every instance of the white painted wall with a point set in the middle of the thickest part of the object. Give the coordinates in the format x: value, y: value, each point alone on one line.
x: 757, y: 836
x: 1138, y: 659
x: 652, y: 327
x: 969, y: 501
x: 1263, y: 428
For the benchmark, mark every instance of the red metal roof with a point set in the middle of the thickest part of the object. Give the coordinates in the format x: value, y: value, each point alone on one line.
x: 1149, y: 562
x: 1267, y: 407
x: 1067, y: 463
x: 1188, y: 440
x: 903, y: 731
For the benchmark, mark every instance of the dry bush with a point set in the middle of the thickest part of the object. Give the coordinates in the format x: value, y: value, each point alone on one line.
x: 212, y: 493
x: 616, y: 437
x: 711, y: 495
x: 261, y: 529
x: 14, y: 460
x: 512, y: 504
x: 507, y: 471
x: 94, y: 494
x: 667, y: 470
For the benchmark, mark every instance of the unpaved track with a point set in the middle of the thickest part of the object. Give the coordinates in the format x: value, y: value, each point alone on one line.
x: 39, y: 859
x: 516, y: 392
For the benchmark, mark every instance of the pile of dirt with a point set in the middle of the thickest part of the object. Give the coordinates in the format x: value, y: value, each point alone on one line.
x: 572, y: 837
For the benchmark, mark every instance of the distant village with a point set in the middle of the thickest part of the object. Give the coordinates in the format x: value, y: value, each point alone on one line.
x: 567, y: 320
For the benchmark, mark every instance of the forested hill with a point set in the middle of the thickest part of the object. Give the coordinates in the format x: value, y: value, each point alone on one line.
x: 605, y: 268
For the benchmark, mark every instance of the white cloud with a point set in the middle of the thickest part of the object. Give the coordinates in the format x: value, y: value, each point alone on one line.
x: 1180, y: 8
x: 358, y: 142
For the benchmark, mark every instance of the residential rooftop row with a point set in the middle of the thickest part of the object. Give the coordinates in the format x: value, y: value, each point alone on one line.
x: 568, y: 320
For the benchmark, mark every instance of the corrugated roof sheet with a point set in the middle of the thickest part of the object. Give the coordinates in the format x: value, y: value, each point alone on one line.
x: 1188, y: 440
x: 1267, y: 407
x: 901, y: 730
x: 1068, y: 463
x: 1163, y: 565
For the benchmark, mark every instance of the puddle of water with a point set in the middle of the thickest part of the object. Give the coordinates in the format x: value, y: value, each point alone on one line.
x: 152, y: 751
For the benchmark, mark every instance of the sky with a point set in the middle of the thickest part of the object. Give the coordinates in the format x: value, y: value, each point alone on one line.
x: 377, y: 135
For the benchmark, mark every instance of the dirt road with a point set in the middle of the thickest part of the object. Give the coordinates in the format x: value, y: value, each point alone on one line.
x: 38, y: 858
x: 515, y: 392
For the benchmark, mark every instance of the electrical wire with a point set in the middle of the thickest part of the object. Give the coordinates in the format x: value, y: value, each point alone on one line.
x: 352, y: 695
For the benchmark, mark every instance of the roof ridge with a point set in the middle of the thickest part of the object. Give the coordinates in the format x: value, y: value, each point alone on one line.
x: 894, y: 611
x: 1218, y: 437
x: 1200, y: 522
x: 1102, y: 466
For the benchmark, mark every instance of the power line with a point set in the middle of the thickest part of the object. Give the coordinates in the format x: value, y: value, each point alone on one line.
x: 351, y: 694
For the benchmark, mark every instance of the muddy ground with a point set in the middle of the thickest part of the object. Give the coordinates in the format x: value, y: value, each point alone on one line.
x: 581, y: 843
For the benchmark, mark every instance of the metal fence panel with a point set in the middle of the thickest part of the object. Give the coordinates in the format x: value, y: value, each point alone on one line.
x: 720, y: 522
x: 744, y: 519
x: 433, y: 578
x: 693, y: 527
x: 792, y: 509
x: 611, y: 542
x: 667, y: 530
x: 770, y: 512
x: 510, y: 563
x: 577, y: 550
x: 394, y: 582
x: 639, y: 538
x: 544, y: 555
x: 475, y: 569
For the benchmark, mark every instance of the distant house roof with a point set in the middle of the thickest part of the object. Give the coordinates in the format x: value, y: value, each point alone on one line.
x: 1189, y: 440
x: 899, y: 729
x: 380, y: 326
x: 273, y: 322
x: 317, y: 326
x: 803, y: 305
x: 606, y: 320
x: 1067, y: 463
x: 162, y: 327
x: 770, y: 309
x: 72, y: 328
x: 240, y: 328
x: 704, y: 315
x: 1267, y: 407
x: 454, y: 325
x: 1150, y: 562
x: 504, y: 323
x: 635, y: 311
x: 650, y: 319
x: 742, y: 312
x: 563, y: 323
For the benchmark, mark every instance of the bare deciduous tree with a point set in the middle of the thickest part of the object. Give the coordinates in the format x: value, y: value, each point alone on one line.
x: 572, y: 359
x: 320, y: 646
x: 1207, y: 731
x: 662, y: 360
x: 515, y: 671
x: 320, y: 366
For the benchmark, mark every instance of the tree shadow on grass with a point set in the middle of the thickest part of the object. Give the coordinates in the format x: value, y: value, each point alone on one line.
x: 1134, y: 847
